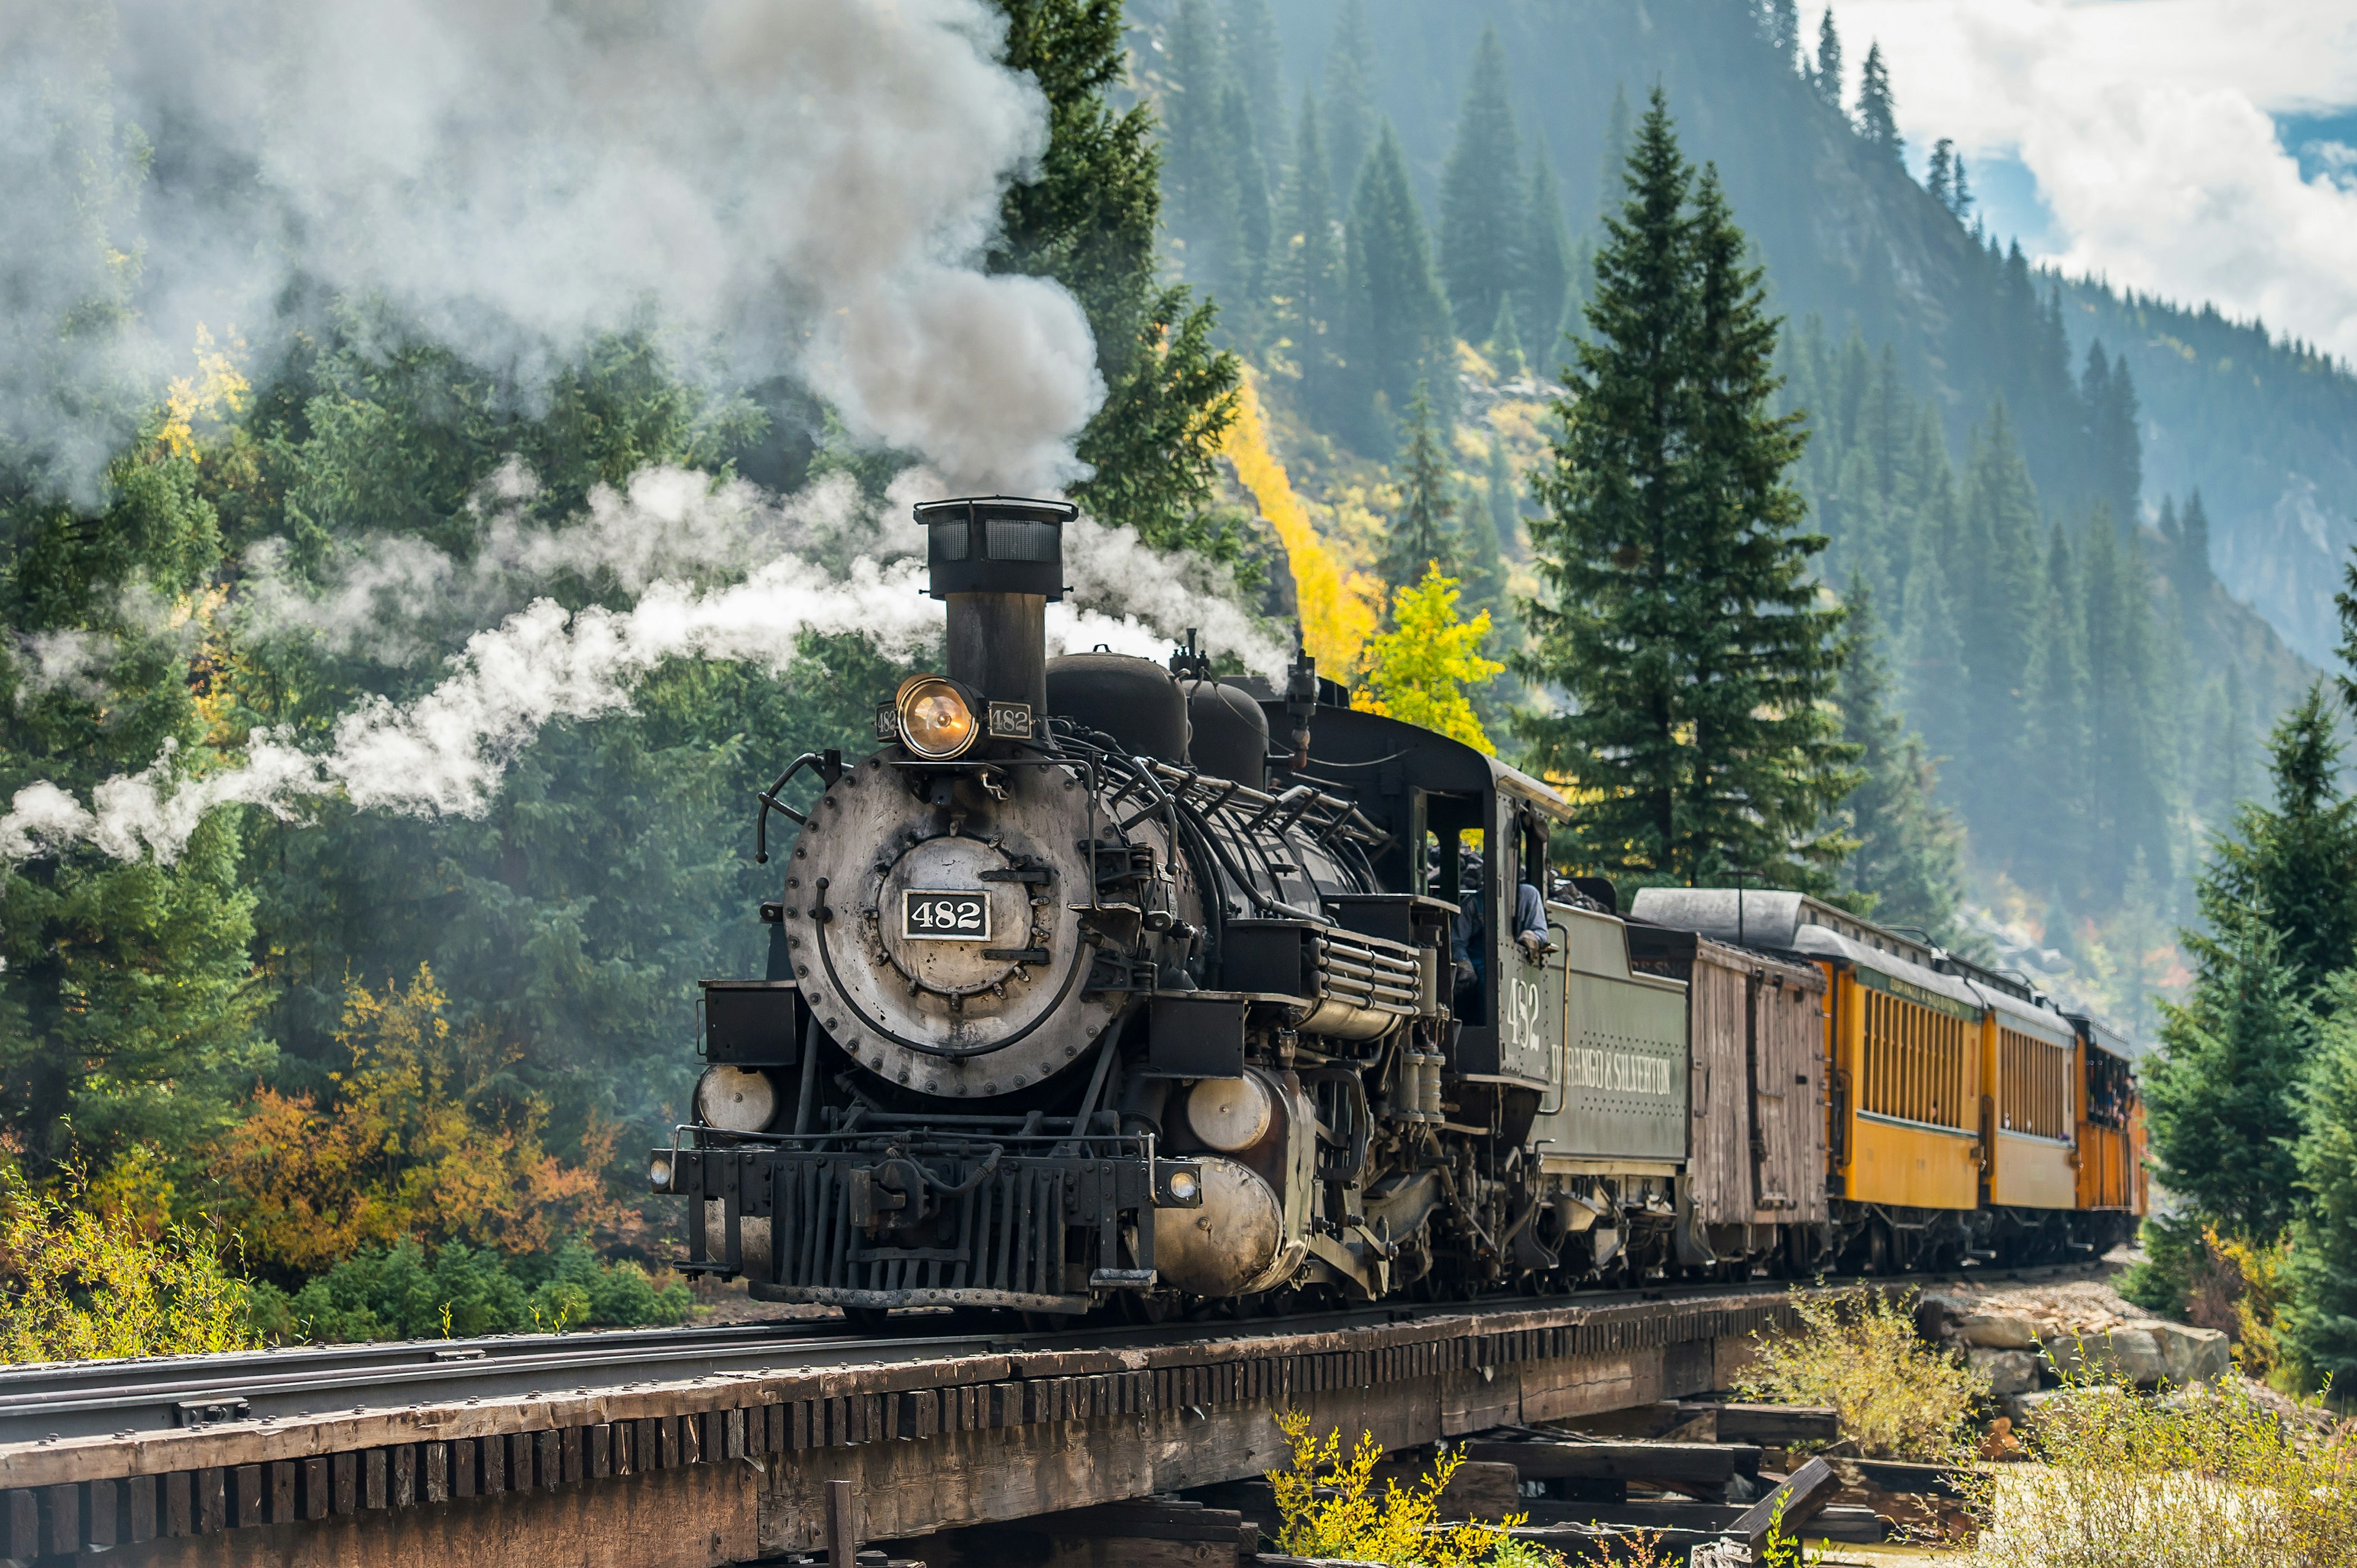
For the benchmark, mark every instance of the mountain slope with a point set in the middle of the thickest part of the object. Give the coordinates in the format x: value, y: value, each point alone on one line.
x: 1847, y: 234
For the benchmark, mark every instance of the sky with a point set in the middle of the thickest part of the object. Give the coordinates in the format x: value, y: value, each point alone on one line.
x: 2197, y: 149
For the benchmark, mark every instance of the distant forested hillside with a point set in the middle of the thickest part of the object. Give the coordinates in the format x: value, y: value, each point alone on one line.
x: 2063, y: 504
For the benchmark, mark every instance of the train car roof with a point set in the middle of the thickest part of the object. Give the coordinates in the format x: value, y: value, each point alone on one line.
x: 2046, y: 1023
x: 2102, y: 1037
x: 1791, y: 922
x: 1795, y: 922
x: 1351, y: 745
x: 1769, y: 917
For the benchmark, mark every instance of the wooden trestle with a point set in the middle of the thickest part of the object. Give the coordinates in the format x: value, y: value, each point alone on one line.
x: 730, y: 1468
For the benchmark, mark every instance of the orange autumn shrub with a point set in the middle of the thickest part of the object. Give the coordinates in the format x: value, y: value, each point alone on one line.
x: 425, y: 1140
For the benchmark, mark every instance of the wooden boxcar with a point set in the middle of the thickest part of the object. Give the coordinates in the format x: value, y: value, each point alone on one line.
x: 1756, y: 1033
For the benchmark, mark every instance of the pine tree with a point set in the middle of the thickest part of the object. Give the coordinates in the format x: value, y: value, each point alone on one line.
x: 1945, y: 180
x: 1826, y: 78
x: 1998, y: 586
x: 1089, y: 222
x: 1546, y: 268
x: 1877, y: 113
x: 1504, y: 496
x: 1940, y: 173
x: 1312, y: 307
x: 1505, y: 341
x: 1245, y: 276
x: 128, y: 993
x: 1198, y: 174
x: 2292, y: 865
x: 1679, y: 615
x: 2191, y: 559
x: 2128, y: 814
x: 2220, y: 1094
x: 2049, y: 829
x: 1612, y: 165
x: 1424, y: 531
x: 1482, y: 225
x: 1350, y: 95
x: 2113, y: 453
x: 1931, y: 655
x: 1780, y: 28
x: 1399, y: 321
x: 2318, y: 1321
x: 1907, y: 848
x: 1256, y: 57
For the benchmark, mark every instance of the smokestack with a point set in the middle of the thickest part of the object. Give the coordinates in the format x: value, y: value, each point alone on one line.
x: 998, y: 560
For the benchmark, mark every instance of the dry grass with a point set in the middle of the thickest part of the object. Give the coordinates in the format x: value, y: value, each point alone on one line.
x: 1858, y: 1352
x: 2210, y: 1477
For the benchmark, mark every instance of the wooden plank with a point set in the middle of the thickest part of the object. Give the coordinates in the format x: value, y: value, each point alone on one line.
x: 1801, y: 1499
x: 1145, y: 1520
x: 1711, y: 1461
x: 434, y: 1484
x: 318, y: 1491
x: 598, y: 1455
x: 102, y: 1513
x: 212, y: 1501
x: 281, y: 1491
x: 139, y: 1509
x: 61, y: 1520
x: 1898, y: 1475
x: 841, y: 1527
x: 1773, y: 1426
x: 1479, y: 1490
x: 180, y: 1505
x: 20, y: 1524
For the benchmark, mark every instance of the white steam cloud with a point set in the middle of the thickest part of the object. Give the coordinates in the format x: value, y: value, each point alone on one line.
x: 798, y: 188
x: 444, y: 752
x: 776, y: 187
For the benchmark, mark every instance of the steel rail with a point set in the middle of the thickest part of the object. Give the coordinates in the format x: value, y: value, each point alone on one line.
x: 93, y: 1398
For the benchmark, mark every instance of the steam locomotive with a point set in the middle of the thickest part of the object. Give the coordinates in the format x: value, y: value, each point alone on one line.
x: 1083, y: 995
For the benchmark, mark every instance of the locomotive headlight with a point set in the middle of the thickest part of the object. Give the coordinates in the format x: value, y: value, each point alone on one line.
x: 936, y: 721
x: 659, y: 1171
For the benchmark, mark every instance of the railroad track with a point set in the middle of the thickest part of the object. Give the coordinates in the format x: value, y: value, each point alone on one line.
x: 124, y: 1398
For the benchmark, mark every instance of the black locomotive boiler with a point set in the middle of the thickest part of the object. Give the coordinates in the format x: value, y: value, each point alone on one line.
x: 1082, y: 994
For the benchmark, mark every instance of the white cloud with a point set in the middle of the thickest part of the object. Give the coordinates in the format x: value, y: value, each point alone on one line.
x: 2147, y: 124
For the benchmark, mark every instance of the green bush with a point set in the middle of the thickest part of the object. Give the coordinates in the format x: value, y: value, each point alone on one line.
x: 2175, y: 1259
x: 1858, y: 1352
x: 398, y: 1294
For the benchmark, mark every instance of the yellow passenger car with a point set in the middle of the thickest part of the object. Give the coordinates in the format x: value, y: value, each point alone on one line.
x: 1965, y: 1113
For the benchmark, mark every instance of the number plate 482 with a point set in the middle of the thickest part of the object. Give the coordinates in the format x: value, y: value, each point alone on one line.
x: 945, y: 917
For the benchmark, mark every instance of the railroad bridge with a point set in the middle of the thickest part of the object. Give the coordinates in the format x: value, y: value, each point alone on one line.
x: 694, y: 1447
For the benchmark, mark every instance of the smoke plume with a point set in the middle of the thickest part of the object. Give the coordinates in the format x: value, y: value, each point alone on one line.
x: 774, y: 187
x: 444, y: 753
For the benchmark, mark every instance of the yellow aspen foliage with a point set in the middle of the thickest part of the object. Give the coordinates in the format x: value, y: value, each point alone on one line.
x: 422, y: 1143
x: 1338, y: 611
x: 76, y: 1283
x: 217, y: 390
x: 1418, y: 670
x: 1328, y: 1508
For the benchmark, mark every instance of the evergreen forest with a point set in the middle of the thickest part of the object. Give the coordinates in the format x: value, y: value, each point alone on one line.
x: 2020, y: 479
x: 1466, y: 340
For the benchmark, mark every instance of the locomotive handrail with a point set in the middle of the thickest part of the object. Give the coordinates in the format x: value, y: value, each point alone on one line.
x: 768, y: 799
